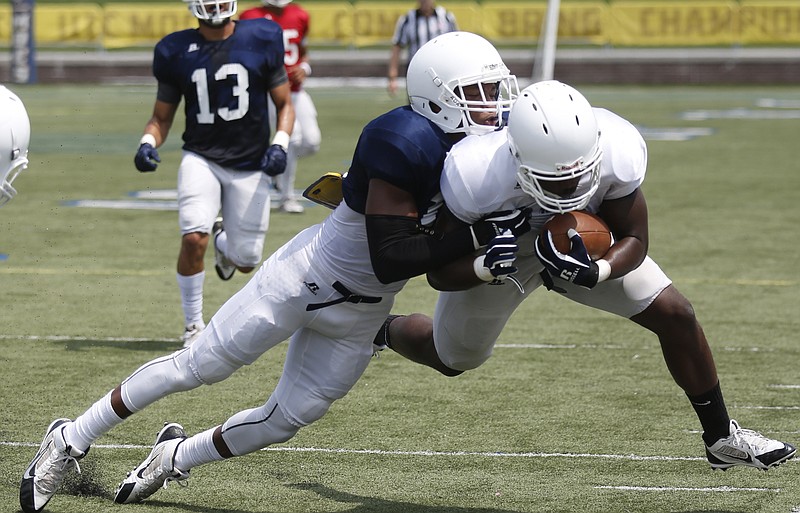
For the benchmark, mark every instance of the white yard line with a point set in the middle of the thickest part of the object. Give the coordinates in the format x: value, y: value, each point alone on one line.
x: 325, y: 450
x: 686, y: 489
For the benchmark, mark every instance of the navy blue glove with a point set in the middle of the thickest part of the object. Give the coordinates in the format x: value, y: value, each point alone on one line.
x: 500, y: 255
x: 576, y: 266
x: 274, y: 161
x: 516, y: 221
x: 146, y: 158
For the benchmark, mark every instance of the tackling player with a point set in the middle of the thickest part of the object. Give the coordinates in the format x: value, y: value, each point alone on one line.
x: 559, y: 154
x: 228, y: 161
x: 328, y: 289
x: 306, y: 137
x: 15, y: 135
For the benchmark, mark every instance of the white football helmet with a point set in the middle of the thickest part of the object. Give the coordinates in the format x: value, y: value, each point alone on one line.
x: 213, y: 12
x: 552, y: 131
x: 277, y: 3
x: 15, y: 135
x: 440, y: 70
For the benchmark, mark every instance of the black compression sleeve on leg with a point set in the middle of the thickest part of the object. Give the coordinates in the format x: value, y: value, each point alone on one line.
x: 400, y: 248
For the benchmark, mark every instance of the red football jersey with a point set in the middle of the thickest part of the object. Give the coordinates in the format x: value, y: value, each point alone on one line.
x: 294, y: 20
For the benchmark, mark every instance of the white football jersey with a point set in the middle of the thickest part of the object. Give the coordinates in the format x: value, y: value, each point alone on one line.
x: 480, y: 173
x: 480, y: 177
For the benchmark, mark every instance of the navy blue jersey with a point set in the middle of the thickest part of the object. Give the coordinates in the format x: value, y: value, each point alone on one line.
x: 400, y: 147
x: 226, y: 86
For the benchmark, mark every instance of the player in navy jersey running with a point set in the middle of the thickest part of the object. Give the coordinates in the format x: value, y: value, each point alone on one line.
x: 328, y: 289
x: 225, y: 71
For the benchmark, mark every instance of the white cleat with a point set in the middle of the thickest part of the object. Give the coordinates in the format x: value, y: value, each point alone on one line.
x: 291, y: 206
x: 47, y: 469
x: 748, y: 448
x: 157, y: 470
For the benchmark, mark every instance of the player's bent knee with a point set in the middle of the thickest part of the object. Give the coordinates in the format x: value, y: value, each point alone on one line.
x: 309, y: 407
x: 458, y: 358
x: 674, y: 306
x: 459, y: 366
x: 205, y: 365
x: 282, y: 428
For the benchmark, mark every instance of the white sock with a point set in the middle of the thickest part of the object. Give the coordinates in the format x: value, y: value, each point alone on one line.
x: 197, y: 450
x: 95, y: 422
x: 191, y: 288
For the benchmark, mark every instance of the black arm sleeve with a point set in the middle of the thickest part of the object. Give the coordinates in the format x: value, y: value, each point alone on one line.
x: 400, y: 248
x: 168, y: 93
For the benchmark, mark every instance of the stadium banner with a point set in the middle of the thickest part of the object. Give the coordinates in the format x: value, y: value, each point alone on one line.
x: 372, y: 23
x: 769, y: 22
x: 690, y: 23
x: 131, y: 24
x: 79, y: 24
x: 515, y: 22
x: 331, y: 24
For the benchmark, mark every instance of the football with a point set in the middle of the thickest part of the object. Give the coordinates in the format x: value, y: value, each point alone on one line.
x: 593, y: 230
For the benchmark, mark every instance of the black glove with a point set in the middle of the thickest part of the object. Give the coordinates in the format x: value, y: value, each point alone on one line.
x: 516, y: 221
x: 576, y: 266
x: 500, y: 255
x: 274, y: 161
x: 146, y: 158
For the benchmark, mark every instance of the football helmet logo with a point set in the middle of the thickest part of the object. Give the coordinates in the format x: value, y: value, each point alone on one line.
x: 552, y: 131
x: 15, y: 135
x: 213, y: 12
x: 439, y: 76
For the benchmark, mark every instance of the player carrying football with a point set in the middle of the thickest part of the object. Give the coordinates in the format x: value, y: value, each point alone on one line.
x: 559, y: 154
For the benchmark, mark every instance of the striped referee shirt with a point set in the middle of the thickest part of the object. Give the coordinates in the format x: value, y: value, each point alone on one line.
x: 414, y: 30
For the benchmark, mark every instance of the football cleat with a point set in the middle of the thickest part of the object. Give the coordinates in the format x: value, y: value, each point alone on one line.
x: 291, y: 206
x: 157, y: 470
x: 224, y: 267
x: 48, y: 468
x: 190, y: 333
x: 749, y: 448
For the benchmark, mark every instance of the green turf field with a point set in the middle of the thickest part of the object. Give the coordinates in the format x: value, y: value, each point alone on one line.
x: 575, y: 412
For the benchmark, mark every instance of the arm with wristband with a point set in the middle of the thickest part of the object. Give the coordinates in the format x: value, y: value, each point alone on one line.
x: 627, y: 218
x: 155, y: 133
x: 400, y: 248
x: 274, y: 161
x: 495, y: 262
